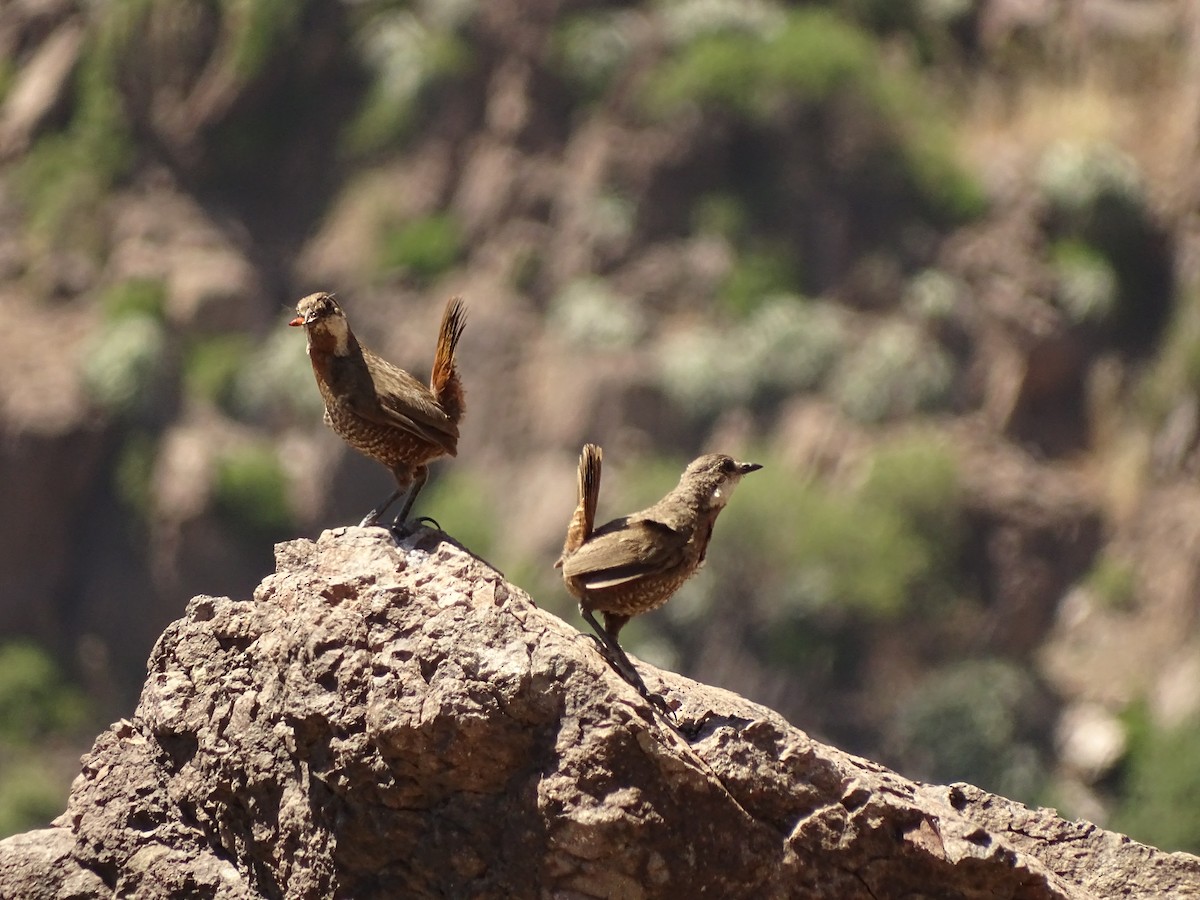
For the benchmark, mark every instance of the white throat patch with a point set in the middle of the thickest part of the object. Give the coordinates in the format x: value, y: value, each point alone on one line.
x: 340, y: 329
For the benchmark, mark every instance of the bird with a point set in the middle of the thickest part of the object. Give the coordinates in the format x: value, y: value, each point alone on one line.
x: 379, y: 409
x: 634, y: 564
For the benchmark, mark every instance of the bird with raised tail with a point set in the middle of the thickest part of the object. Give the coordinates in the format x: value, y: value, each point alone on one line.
x: 634, y: 564
x: 379, y: 409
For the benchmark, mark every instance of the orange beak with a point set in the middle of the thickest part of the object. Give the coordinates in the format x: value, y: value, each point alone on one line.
x: 299, y: 320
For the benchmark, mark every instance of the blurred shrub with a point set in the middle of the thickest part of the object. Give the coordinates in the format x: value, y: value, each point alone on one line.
x: 211, y: 367
x: 64, y: 177
x: 1087, y: 284
x: 125, y: 364
x: 972, y: 722
x: 38, y: 708
x: 1078, y: 179
x: 720, y: 213
x: 35, y: 699
x: 134, y: 472
x: 786, y: 344
x: 276, y: 382
x: 896, y: 371
x: 809, y: 59
x: 250, y: 491
x: 135, y: 297
x: 590, y: 48
x: 461, y: 503
x: 421, y: 248
x: 932, y: 295
x: 407, y: 53
x: 31, y: 794
x: 586, y: 312
x: 1159, y: 792
x: 916, y: 478
x: 752, y: 70
x: 795, y: 343
x: 611, y: 218
x: 1112, y: 582
x: 8, y: 76
x: 757, y: 275
x: 258, y: 29
x: 684, y: 21
x: 870, y: 552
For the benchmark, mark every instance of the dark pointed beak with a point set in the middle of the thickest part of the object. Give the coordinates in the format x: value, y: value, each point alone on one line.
x: 299, y: 320
x: 747, y: 468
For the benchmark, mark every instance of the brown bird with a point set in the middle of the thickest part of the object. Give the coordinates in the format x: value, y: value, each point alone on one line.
x: 379, y: 409
x: 634, y: 564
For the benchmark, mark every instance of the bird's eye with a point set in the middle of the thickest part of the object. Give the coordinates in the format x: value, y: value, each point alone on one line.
x: 727, y: 466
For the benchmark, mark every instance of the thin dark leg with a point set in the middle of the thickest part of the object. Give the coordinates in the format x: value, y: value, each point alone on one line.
x: 619, y: 660
x: 420, y: 476
x: 373, y: 516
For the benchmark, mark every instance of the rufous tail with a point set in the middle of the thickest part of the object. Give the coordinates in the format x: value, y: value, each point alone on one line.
x: 584, y: 519
x: 444, y: 382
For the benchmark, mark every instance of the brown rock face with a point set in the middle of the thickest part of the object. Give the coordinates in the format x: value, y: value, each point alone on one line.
x: 398, y: 721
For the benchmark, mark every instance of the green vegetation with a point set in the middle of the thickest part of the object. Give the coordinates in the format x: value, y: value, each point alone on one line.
x: 896, y: 371
x: 916, y: 478
x: 407, y: 58
x: 135, y: 472
x: 125, y: 365
x: 1160, y: 787
x: 1087, y: 283
x: 1112, y: 582
x: 932, y: 295
x: 721, y: 213
x: 463, y: 506
x: 590, y: 48
x: 135, y: 297
x: 31, y: 795
x: 878, y: 551
x: 250, y: 491
x: 753, y: 72
x: 587, y: 313
x: 972, y: 722
x: 811, y: 59
x: 785, y: 344
x: 258, y: 29
x: 276, y: 384
x: 65, y: 176
x: 1084, y: 180
x: 38, y: 708
x: 35, y: 699
x: 421, y: 248
x: 212, y: 365
x: 757, y: 276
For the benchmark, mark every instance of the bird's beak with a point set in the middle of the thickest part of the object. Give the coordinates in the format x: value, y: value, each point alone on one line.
x: 747, y: 468
x: 299, y: 320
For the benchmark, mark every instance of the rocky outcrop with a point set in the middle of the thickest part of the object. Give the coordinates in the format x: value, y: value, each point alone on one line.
x: 388, y: 720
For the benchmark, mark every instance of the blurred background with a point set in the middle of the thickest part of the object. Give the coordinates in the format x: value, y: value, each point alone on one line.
x: 934, y: 263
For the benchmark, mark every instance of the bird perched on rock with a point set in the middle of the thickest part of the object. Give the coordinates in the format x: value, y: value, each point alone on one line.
x: 634, y: 564
x: 379, y: 409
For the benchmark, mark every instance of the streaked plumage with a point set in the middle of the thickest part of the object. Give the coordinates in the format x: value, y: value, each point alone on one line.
x: 634, y: 564
x: 379, y: 409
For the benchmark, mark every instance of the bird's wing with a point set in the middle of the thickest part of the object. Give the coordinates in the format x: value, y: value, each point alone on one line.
x: 625, y: 550
x: 397, y: 399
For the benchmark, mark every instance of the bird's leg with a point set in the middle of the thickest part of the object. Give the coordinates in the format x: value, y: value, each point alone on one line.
x: 373, y: 516
x: 419, y: 477
x: 617, y: 658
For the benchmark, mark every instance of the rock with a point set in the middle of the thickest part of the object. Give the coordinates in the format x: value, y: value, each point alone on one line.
x: 385, y: 721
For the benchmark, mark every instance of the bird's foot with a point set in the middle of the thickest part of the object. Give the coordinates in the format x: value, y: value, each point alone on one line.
x: 404, y: 528
x: 371, y: 519
x: 624, y: 667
